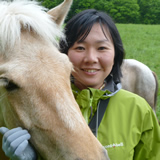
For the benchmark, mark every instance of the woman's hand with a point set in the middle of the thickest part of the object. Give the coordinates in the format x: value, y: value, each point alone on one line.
x: 15, y: 144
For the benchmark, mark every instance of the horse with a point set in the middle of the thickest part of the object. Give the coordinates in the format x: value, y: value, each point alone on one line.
x: 140, y: 79
x: 35, y: 91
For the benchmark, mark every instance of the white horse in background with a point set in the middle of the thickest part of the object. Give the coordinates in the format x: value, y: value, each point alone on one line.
x: 139, y: 79
x: 35, y: 91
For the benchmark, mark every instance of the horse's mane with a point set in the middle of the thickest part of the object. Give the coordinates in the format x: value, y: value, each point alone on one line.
x: 28, y: 15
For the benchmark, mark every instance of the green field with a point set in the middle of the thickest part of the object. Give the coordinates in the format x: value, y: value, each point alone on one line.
x: 142, y: 42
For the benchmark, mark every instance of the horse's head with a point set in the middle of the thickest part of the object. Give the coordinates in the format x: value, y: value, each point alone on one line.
x: 35, y: 83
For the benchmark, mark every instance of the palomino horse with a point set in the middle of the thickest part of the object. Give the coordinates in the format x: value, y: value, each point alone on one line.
x: 35, y: 83
x: 139, y: 79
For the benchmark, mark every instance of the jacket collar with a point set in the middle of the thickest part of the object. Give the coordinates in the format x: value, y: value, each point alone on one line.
x: 110, y: 88
x: 88, y: 99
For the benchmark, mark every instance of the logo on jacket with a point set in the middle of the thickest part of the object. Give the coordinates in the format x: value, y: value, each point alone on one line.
x: 114, y: 145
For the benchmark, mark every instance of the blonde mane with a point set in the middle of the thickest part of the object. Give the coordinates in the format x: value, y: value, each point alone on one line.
x: 24, y: 14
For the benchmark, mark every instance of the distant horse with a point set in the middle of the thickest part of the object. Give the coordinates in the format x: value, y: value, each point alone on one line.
x: 139, y: 79
x: 35, y: 91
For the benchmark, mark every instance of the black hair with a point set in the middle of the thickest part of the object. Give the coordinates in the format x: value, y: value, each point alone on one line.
x: 78, y: 28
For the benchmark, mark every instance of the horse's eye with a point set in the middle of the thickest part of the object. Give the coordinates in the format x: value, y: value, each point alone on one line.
x: 9, y: 85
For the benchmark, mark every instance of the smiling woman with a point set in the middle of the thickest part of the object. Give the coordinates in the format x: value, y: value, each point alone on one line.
x: 94, y: 58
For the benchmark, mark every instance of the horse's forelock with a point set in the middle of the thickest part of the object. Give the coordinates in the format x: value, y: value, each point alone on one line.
x: 29, y: 16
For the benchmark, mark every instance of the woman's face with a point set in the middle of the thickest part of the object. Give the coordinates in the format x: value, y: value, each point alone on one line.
x: 92, y: 58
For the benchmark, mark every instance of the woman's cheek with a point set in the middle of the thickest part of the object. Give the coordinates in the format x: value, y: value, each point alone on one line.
x: 71, y: 56
x: 75, y: 58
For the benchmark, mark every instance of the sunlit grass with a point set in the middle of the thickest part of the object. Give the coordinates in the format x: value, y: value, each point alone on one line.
x: 142, y: 42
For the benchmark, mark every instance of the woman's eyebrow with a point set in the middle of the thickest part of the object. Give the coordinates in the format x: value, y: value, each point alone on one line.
x: 103, y: 41
x: 98, y: 41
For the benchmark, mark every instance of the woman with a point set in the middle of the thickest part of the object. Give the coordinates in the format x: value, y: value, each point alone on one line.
x: 128, y: 128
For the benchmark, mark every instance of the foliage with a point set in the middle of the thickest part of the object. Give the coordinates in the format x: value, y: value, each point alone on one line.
x: 150, y: 11
x: 122, y: 11
x: 50, y: 3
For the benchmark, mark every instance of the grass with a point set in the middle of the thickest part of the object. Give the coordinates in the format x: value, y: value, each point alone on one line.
x: 142, y: 42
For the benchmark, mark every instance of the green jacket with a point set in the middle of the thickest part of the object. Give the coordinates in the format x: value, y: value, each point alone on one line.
x: 129, y: 129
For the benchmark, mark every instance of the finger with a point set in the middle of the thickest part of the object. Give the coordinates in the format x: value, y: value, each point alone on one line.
x: 21, y: 148
x: 20, y: 140
x: 12, y: 147
x: 10, y: 132
x: 15, y: 137
x: 3, y: 130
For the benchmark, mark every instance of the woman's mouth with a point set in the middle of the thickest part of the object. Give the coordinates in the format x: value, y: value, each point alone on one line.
x: 90, y: 70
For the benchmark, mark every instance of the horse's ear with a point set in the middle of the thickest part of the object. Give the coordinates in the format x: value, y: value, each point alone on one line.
x: 60, y: 12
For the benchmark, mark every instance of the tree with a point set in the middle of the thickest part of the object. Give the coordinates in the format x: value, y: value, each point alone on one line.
x: 149, y: 11
x: 50, y: 3
x: 80, y: 5
x: 122, y: 11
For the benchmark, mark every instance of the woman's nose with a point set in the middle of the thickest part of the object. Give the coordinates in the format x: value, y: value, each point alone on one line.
x: 91, y: 56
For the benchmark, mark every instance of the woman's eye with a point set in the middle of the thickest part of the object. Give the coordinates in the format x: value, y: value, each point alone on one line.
x: 102, y: 48
x: 80, y: 48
